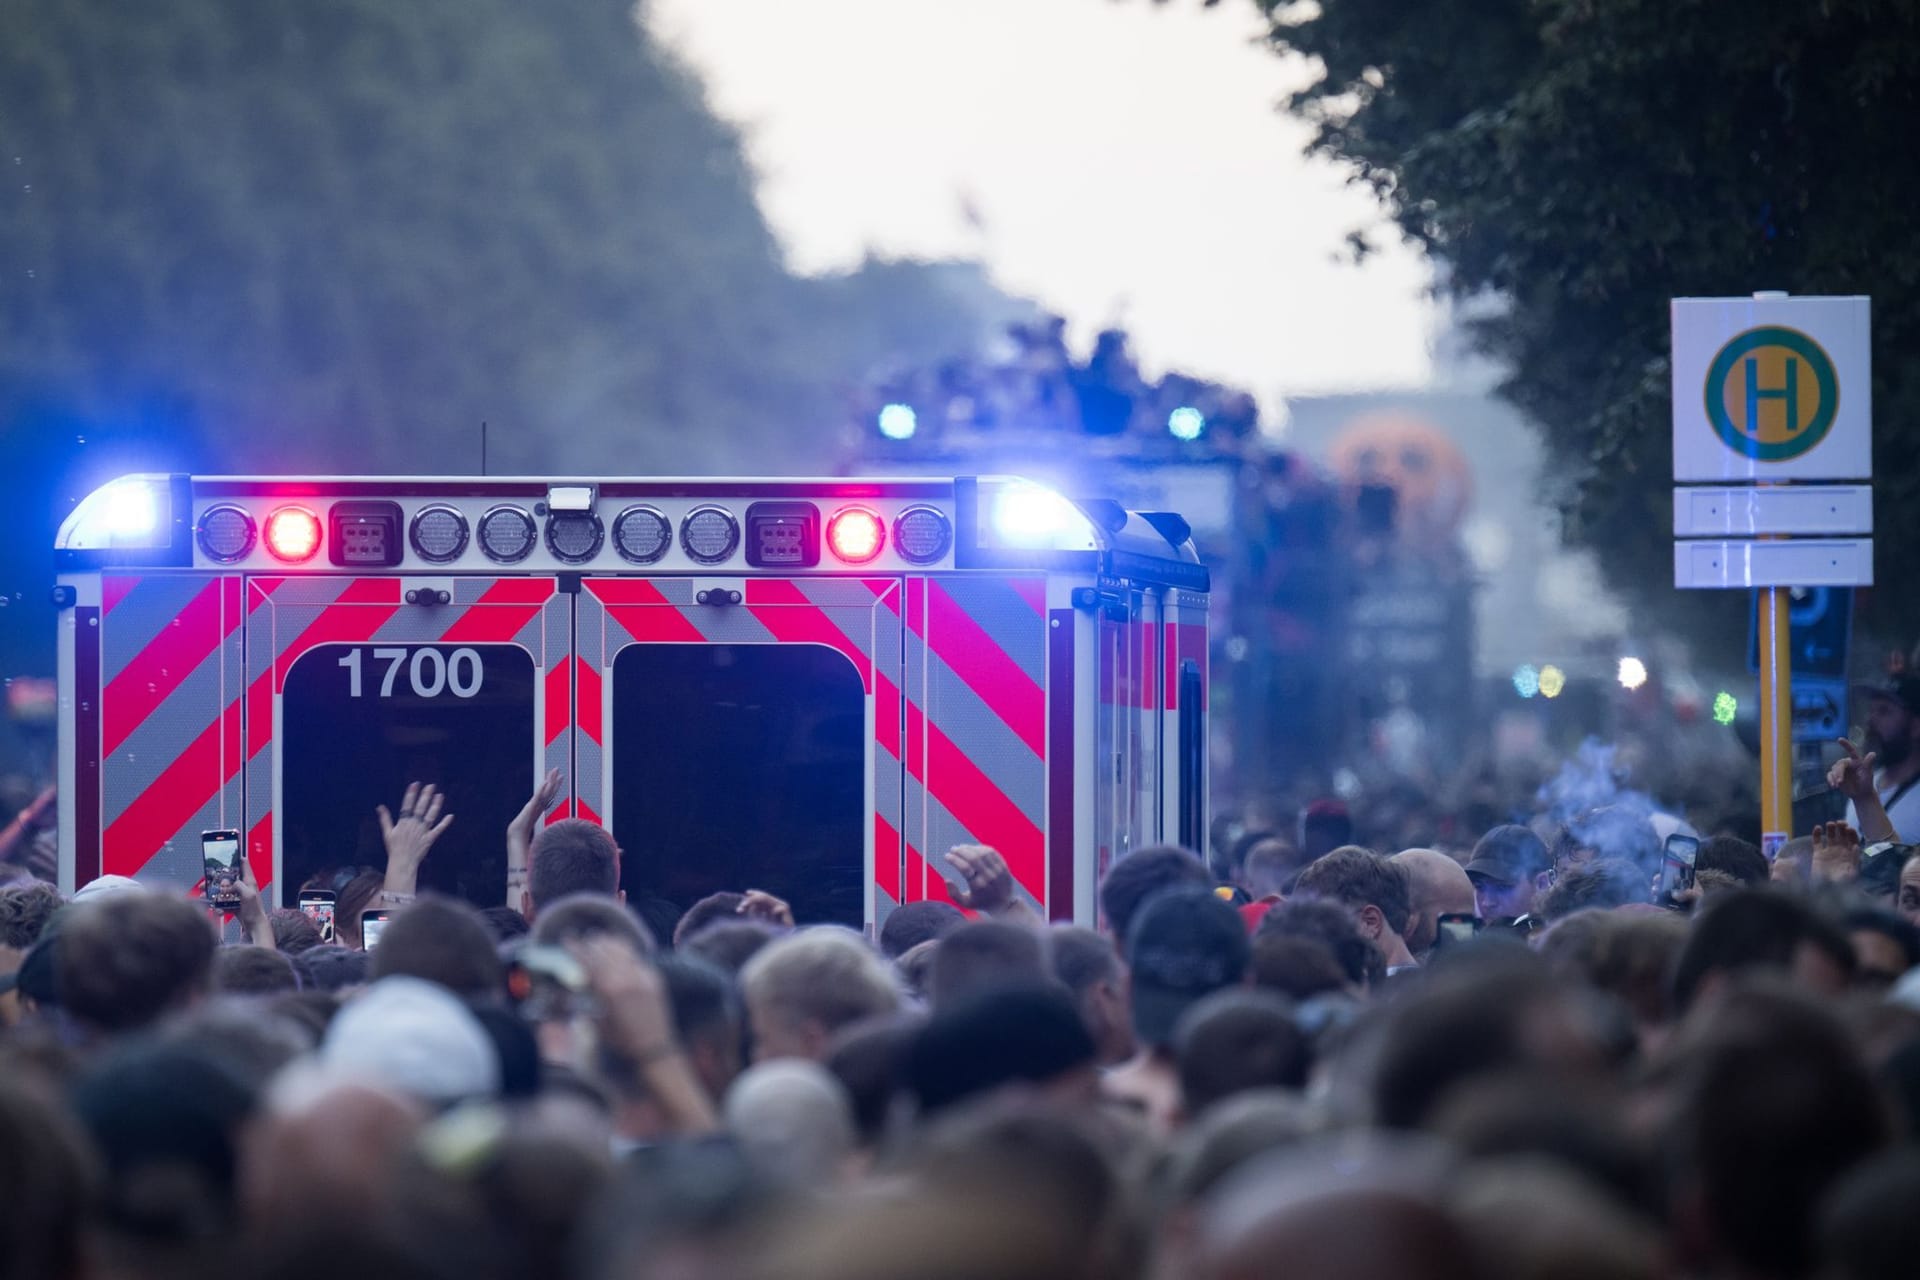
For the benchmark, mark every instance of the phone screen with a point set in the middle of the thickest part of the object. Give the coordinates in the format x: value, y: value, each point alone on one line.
x: 220, y: 856
x: 372, y: 923
x: 1458, y: 927
x: 1676, y: 865
x: 318, y: 907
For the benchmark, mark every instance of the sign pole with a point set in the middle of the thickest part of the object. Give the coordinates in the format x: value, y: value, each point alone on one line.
x: 1776, y: 721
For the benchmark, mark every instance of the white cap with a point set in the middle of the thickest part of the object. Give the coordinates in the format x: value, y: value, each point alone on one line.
x: 105, y: 886
x: 1667, y: 824
x: 415, y: 1037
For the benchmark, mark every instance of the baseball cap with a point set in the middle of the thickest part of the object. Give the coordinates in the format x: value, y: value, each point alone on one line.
x: 1185, y: 945
x: 1507, y: 855
x: 416, y: 1037
x: 1904, y: 689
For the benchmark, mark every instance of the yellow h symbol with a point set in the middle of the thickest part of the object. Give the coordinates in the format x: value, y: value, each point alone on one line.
x: 1756, y: 393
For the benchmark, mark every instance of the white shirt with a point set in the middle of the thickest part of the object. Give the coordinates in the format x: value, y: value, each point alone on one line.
x: 1905, y: 815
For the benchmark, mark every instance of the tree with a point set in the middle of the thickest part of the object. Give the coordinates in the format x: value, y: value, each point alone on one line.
x: 1586, y: 160
x: 282, y: 236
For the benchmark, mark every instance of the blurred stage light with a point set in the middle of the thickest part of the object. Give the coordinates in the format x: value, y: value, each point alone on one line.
x: 1186, y: 423
x: 1552, y: 681
x: 1725, y: 707
x: 898, y: 422
x: 1526, y: 680
x: 1633, y: 673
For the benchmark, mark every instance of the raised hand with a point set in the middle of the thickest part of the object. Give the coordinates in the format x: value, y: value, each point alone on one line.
x: 254, y: 920
x: 1836, y: 852
x: 989, y: 882
x: 636, y: 1024
x: 410, y: 836
x: 761, y: 905
x: 520, y: 833
x: 1852, y: 776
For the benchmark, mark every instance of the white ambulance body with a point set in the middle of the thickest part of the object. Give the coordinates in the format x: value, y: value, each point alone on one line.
x: 812, y: 687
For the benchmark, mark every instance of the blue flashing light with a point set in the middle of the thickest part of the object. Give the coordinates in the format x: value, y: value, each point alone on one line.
x: 1526, y: 680
x: 899, y: 422
x: 1186, y: 423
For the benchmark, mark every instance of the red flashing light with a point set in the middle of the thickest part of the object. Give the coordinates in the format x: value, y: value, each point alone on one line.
x: 856, y: 535
x: 293, y: 534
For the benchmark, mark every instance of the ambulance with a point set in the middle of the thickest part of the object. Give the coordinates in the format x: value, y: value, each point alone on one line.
x: 811, y: 687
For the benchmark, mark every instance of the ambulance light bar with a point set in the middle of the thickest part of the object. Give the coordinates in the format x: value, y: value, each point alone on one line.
x: 669, y: 525
x: 135, y: 520
x: 1024, y: 516
x: 133, y: 511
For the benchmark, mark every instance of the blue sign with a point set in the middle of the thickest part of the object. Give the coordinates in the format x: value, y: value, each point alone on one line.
x: 1819, y: 709
x: 1819, y: 625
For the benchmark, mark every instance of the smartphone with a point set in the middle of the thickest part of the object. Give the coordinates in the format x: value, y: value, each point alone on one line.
x: 1456, y: 927
x: 220, y: 860
x: 317, y: 906
x: 372, y: 922
x: 549, y: 984
x: 1676, y: 866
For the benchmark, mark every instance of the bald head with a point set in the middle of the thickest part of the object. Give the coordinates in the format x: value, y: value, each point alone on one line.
x: 1437, y: 886
x: 327, y: 1143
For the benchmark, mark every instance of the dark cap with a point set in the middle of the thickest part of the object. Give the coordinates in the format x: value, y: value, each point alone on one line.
x: 1507, y: 855
x: 1904, y: 690
x: 1185, y: 945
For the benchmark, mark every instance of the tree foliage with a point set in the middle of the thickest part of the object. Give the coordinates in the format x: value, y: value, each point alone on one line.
x: 1587, y: 160
x: 281, y: 235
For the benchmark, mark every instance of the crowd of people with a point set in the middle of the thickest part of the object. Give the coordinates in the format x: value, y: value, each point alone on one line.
x: 1537, y: 1055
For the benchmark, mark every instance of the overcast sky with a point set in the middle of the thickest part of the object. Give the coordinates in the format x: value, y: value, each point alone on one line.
x: 1125, y: 160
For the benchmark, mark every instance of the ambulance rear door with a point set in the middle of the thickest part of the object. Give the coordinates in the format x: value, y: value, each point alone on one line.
x: 745, y: 733
x: 1128, y: 727
x: 357, y: 685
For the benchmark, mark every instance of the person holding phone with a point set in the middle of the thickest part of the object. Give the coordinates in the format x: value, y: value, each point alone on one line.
x: 1678, y: 859
x: 229, y: 886
x: 220, y: 860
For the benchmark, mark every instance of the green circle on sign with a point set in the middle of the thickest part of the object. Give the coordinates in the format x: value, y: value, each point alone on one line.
x: 1746, y: 438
